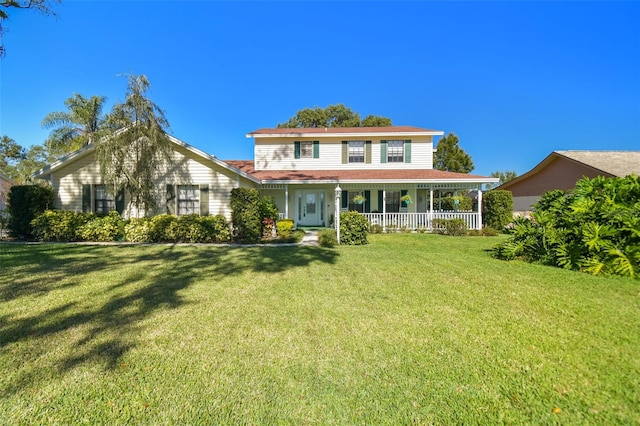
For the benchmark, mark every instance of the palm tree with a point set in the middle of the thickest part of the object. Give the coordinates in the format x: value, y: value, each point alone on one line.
x: 78, y: 127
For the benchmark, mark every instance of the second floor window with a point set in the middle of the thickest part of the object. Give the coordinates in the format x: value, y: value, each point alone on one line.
x: 306, y: 149
x: 395, y: 151
x: 356, y: 151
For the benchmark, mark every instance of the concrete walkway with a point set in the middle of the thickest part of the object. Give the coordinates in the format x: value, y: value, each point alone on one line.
x: 310, y: 238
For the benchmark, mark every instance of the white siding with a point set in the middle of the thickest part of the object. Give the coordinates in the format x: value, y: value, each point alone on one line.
x: 188, y: 168
x: 278, y: 154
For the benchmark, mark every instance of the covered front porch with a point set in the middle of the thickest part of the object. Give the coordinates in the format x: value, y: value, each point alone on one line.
x: 394, y: 207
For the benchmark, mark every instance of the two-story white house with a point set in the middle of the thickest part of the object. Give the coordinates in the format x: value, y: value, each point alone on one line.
x: 312, y: 174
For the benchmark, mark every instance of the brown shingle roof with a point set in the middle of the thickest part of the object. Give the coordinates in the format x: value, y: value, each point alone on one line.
x: 340, y: 130
x: 616, y: 163
x: 247, y: 166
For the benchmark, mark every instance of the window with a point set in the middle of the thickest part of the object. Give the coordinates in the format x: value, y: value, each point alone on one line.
x: 395, y: 151
x: 392, y: 201
x: 188, y: 199
x: 104, y: 202
x: 356, y: 151
x: 306, y: 149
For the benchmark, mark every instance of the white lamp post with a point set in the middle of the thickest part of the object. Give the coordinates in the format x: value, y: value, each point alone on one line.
x: 337, y: 213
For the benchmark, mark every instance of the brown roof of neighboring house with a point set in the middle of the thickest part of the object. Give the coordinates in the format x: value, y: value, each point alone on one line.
x: 608, y: 163
x: 616, y: 163
x: 247, y: 166
x: 341, y: 130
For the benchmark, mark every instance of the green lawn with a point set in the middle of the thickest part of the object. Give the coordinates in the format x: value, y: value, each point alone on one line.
x: 409, y: 329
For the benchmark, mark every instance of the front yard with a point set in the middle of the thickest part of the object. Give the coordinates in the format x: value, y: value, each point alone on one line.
x: 412, y: 328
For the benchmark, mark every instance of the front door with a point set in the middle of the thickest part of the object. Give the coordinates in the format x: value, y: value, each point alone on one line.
x: 310, y: 208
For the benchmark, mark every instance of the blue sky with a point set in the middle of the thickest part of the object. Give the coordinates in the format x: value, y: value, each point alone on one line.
x: 514, y: 80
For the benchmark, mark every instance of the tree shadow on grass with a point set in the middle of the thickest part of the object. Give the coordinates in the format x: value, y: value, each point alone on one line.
x: 87, y: 304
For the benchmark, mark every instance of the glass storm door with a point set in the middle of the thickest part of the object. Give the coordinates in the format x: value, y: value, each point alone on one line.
x: 310, y: 209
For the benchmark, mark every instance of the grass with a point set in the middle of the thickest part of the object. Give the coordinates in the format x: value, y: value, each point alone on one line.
x: 423, y: 329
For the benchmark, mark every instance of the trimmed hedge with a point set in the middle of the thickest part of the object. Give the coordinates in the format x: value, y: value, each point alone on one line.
x: 497, y: 211
x: 24, y: 203
x: 449, y: 203
x: 354, y: 228
x: 59, y: 225
x: 455, y: 227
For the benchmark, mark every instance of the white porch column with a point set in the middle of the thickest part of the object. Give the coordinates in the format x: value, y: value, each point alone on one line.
x: 338, y: 205
x: 286, y: 201
x: 384, y: 210
x: 430, y: 208
x: 479, y: 209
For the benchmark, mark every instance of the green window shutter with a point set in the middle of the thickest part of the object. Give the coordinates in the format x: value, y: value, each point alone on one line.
x: 407, y: 151
x: 345, y: 152
x: 345, y: 199
x: 316, y: 149
x: 296, y: 149
x: 383, y: 151
x: 367, y: 152
x: 120, y: 201
x: 380, y: 200
x: 86, y: 198
x: 204, y: 200
x: 171, y: 199
x: 367, y: 203
x: 402, y: 194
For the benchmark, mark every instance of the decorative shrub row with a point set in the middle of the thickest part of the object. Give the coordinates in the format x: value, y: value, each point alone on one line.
x: 449, y: 203
x: 455, y: 227
x: 60, y: 225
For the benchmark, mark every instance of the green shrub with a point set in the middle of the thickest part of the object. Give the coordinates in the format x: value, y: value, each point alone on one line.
x: 160, y: 227
x: 449, y: 203
x: 109, y: 227
x: 217, y: 229
x: 455, y: 227
x: 24, y: 203
x: 327, y: 238
x: 497, y: 208
x: 59, y: 225
x: 138, y: 230
x: 284, y: 227
x: 375, y: 229
x: 246, y: 214
x: 354, y: 228
x: 594, y: 228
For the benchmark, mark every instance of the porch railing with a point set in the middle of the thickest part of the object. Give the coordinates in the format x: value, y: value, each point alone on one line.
x: 413, y: 221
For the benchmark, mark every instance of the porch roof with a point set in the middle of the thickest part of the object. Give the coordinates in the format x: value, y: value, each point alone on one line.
x: 357, y: 176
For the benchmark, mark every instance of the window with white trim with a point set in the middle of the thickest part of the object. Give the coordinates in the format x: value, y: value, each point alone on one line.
x: 188, y: 199
x: 395, y: 151
x: 392, y: 201
x: 103, y: 201
x: 356, y: 151
x: 306, y: 149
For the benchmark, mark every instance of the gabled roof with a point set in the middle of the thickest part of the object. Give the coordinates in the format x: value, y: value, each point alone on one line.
x: 389, y: 131
x: 607, y: 163
x: 64, y: 161
x: 356, y: 176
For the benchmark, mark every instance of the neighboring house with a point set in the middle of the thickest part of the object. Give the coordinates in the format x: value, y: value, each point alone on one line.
x: 5, y: 184
x: 306, y: 171
x: 562, y: 169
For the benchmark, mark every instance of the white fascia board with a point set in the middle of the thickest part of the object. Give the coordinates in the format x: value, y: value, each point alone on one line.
x: 344, y: 135
x: 43, y: 172
x: 379, y: 181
